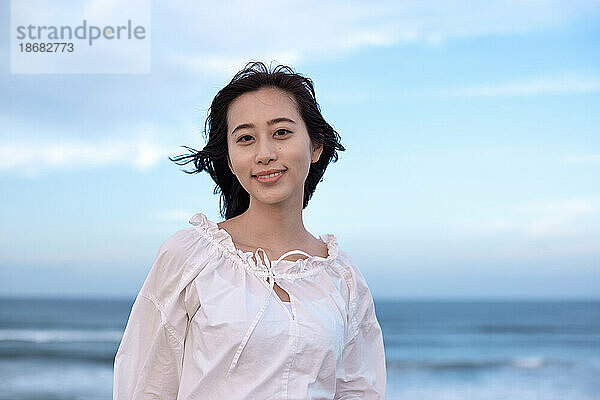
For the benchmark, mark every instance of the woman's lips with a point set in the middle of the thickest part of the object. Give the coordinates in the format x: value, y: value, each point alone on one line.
x: 272, y: 180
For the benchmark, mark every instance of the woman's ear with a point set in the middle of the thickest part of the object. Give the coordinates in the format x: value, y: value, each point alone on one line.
x: 229, y: 164
x: 316, y: 153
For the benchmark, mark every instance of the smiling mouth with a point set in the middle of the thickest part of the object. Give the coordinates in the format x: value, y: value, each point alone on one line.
x: 270, y: 179
x: 272, y: 175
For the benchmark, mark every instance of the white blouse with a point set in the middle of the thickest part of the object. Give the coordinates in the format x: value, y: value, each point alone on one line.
x: 289, y: 307
x: 206, y: 324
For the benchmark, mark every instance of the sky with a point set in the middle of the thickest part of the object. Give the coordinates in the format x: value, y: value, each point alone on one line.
x: 472, y: 135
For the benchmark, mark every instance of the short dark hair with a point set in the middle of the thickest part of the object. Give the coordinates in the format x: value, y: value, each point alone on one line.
x: 214, y: 156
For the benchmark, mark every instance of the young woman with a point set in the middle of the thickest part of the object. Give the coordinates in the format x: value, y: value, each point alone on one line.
x: 227, y: 311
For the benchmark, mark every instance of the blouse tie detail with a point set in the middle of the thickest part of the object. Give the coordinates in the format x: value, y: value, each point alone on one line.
x: 266, y: 263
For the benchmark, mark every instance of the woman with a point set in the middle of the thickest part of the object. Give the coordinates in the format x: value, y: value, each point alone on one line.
x: 226, y: 311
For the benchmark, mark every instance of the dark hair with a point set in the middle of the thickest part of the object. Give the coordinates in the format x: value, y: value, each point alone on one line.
x: 214, y: 156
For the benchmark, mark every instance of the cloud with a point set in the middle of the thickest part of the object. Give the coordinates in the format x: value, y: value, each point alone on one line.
x: 548, y: 219
x: 542, y: 85
x: 217, y: 39
x: 560, y: 216
x: 174, y: 215
x: 586, y: 159
x: 212, y: 38
x: 31, y: 157
x: 227, y: 66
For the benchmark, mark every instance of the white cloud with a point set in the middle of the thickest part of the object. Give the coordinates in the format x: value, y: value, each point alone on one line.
x: 208, y: 34
x: 107, y: 8
x: 174, y: 215
x: 556, y: 84
x: 227, y: 66
x: 141, y: 150
x: 558, y: 217
x: 33, y: 158
x: 289, y: 32
x: 591, y: 158
x: 548, y: 219
x: 219, y: 37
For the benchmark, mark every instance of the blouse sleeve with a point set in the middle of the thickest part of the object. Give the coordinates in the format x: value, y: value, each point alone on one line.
x: 148, y: 362
x: 362, y: 371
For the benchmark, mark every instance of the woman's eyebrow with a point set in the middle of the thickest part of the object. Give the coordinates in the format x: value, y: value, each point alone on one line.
x: 271, y: 122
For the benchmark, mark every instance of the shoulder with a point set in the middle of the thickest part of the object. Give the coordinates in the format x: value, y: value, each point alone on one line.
x: 179, y: 259
x: 352, y: 274
x: 359, y: 299
x: 182, y: 243
x: 177, y: 250
x: 169, y: 283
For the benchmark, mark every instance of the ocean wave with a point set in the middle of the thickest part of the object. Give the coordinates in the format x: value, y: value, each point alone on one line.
x: 532, y: 362
x: 534, y: 329
x: 59, y: 335
x: 86, y: 355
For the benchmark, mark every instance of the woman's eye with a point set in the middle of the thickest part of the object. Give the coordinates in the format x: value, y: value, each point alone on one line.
x: 245, y: 136
x: 285, y: 131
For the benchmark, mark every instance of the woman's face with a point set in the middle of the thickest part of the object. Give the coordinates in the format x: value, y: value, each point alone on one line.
x: 265, y: 132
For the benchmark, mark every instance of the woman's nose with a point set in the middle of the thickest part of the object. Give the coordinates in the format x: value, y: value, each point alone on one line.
x: 265, y: 150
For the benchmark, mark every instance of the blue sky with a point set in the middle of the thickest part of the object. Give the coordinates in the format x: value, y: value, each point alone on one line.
x: 472, y: 135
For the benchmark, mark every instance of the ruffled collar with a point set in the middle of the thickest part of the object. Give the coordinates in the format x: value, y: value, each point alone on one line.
x: 283, y: 269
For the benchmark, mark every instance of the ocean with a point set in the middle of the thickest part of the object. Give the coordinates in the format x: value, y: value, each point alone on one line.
x: 63, y: 349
